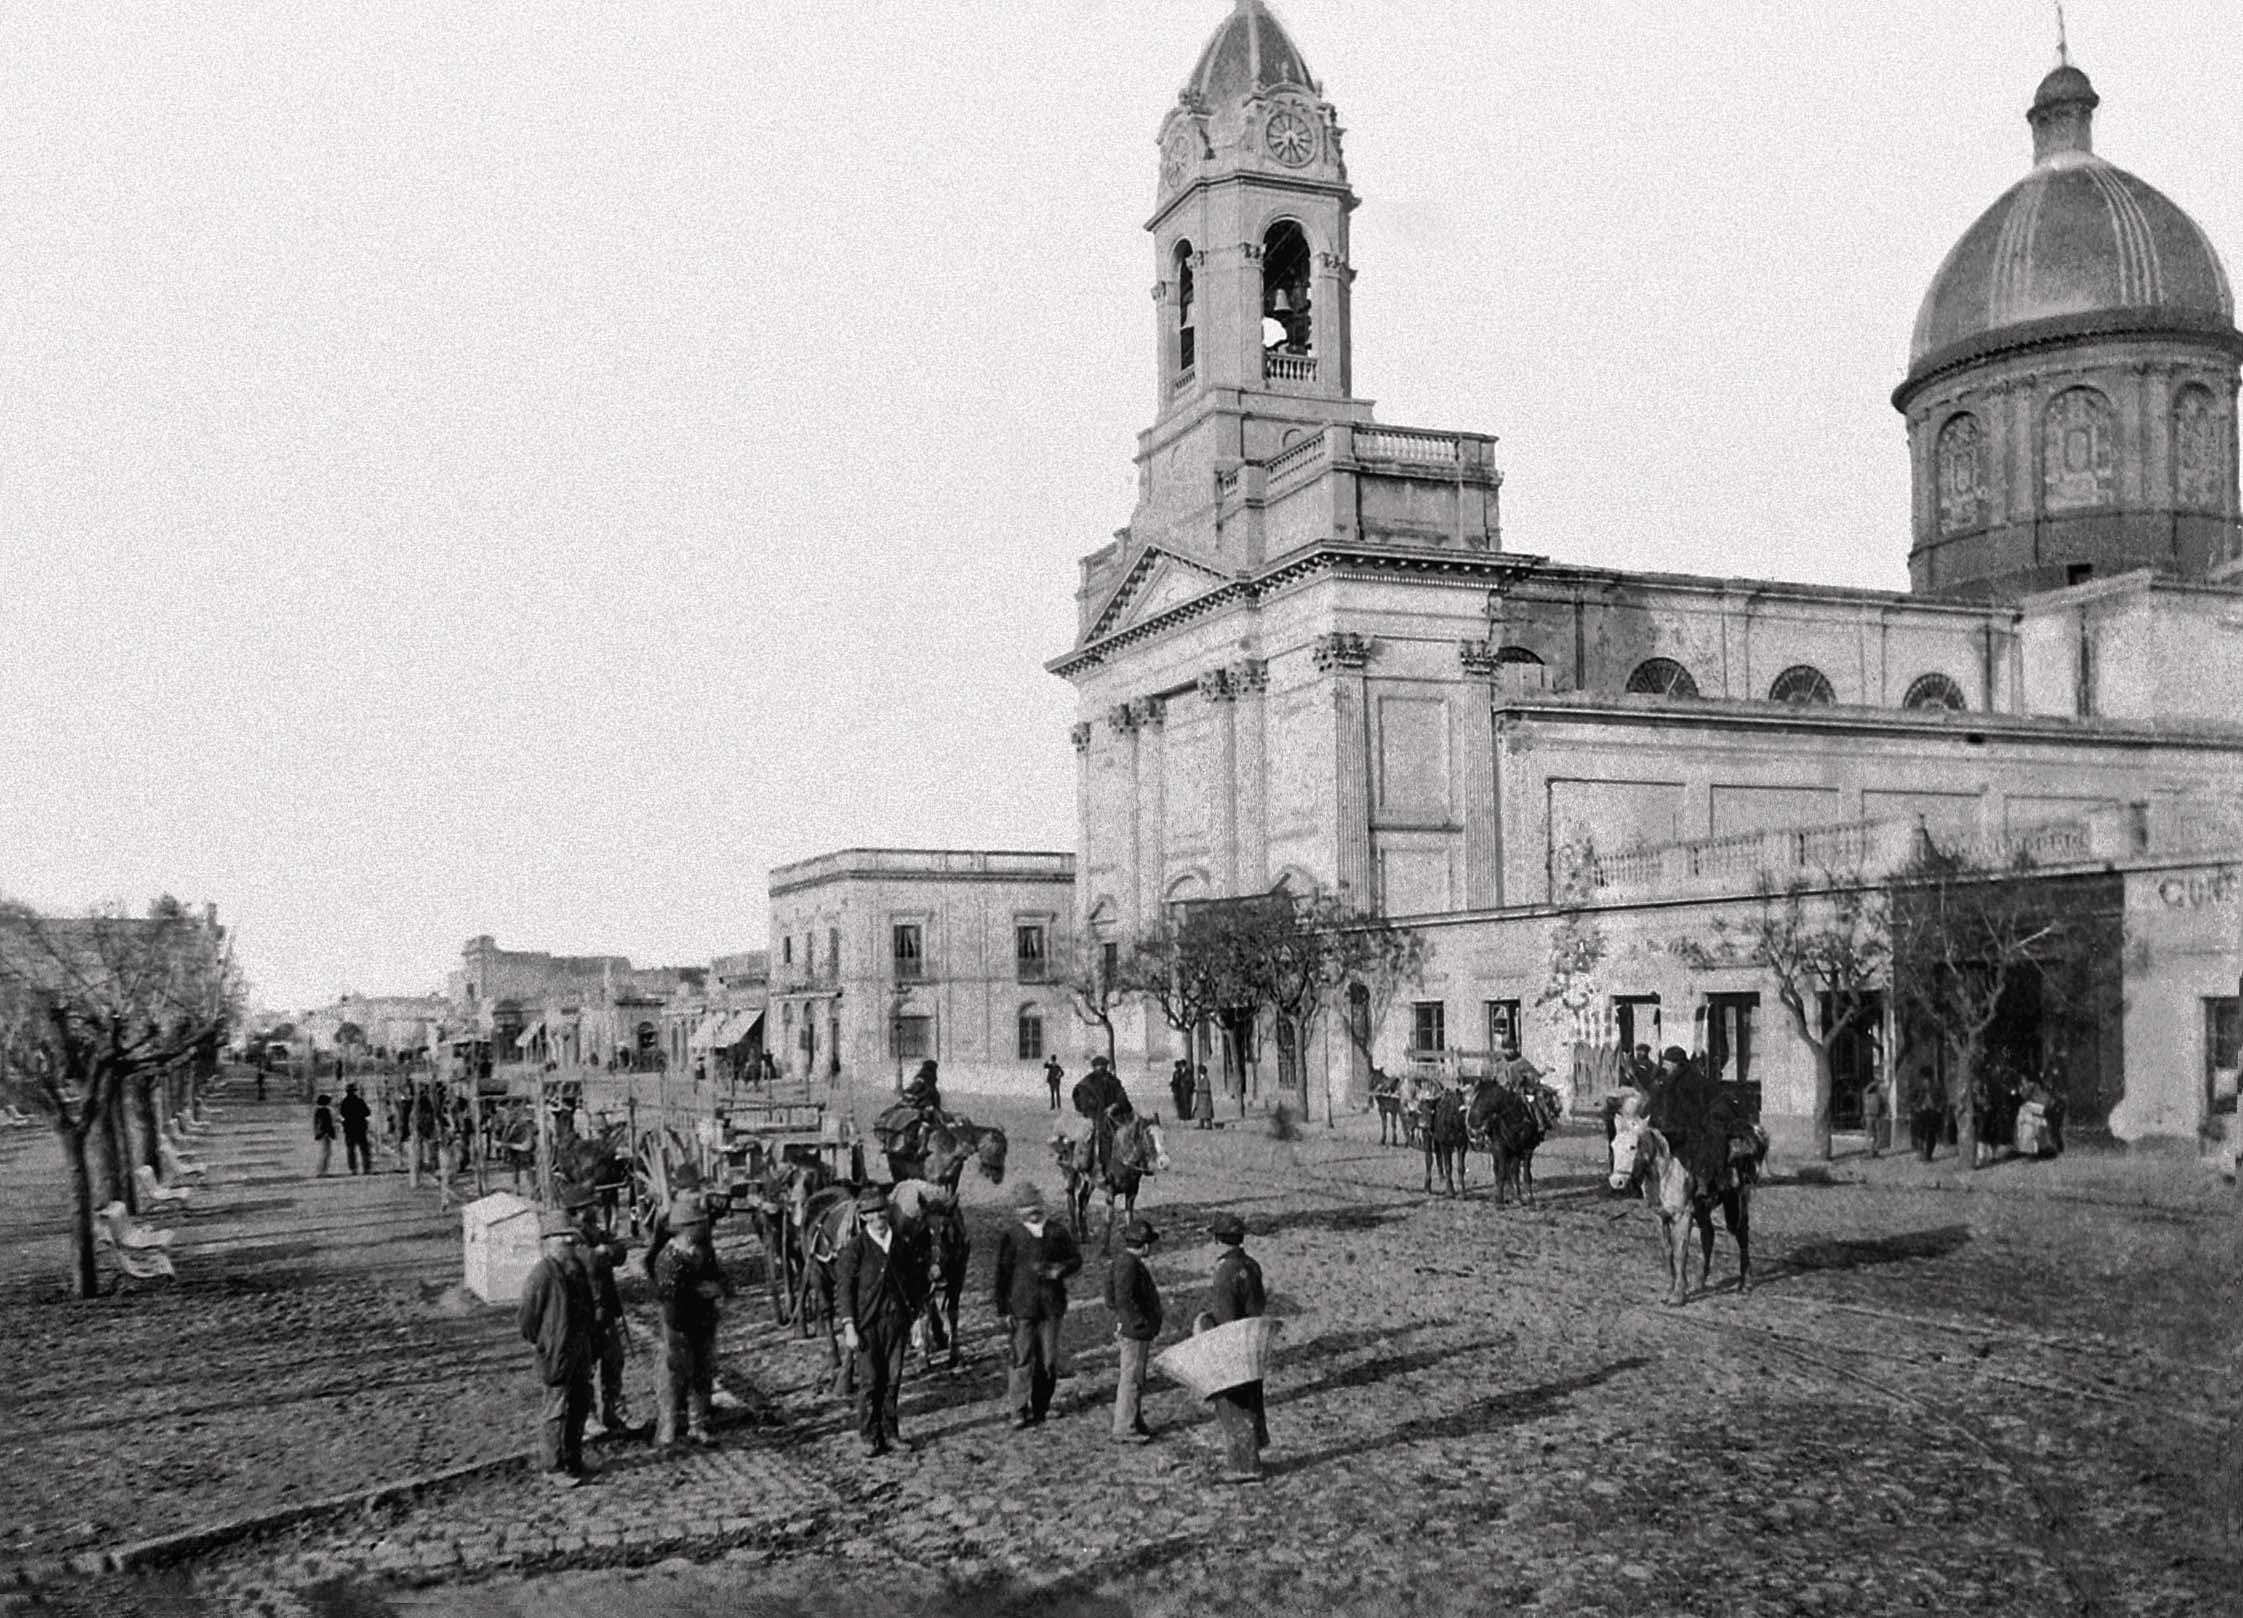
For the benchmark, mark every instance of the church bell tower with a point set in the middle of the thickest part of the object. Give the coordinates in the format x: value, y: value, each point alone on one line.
x: 1250, y: 253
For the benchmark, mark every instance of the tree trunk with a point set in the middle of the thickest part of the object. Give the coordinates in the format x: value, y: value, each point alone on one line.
x: 151, y: 1131
x: 1820, y: 1049
x: 1961, y: 1090
x: 73, y: 1143
x: 107, y: 1126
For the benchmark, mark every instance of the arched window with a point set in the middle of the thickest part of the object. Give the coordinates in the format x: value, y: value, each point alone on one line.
x: 1934, y: 691
x: 1803, y: 684
x: 2196, y: 450
x: 1962, y: 487
x: 1186, y: 344
x: 1031, y: 1028
x: 1286, y: 328
x: 2076, y: 452
x: 1519, y: 672
x: 1661, y: 677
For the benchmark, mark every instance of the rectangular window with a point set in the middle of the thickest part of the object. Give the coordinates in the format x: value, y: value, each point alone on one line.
x: 1428, y: 1031
x: 786, y: 950
x: 1031, y: 1036
x: 1731, y: 1021
x: 1635, y: 1020
x: 2223, y: 1052
x: 1028, y: 951
x: 1503, y: 1024
x: 911, y: 1037
x: 833, y: 950
x: 910, y: 952
x: 1109, y: 962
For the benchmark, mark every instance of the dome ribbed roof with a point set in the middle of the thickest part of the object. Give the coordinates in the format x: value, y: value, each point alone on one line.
x: 1249, y: 52
x: 2077, y: 242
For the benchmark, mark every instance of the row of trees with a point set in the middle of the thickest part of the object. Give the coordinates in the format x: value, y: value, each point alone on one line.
x: 1948, y: 937
x: 102, y: 1017
x: 1228, y: 963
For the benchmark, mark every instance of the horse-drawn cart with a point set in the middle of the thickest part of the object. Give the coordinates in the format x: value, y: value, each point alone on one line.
x: 760, y: 1134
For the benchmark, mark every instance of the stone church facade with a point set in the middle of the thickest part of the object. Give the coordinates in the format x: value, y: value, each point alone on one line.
x: 1312, y: 660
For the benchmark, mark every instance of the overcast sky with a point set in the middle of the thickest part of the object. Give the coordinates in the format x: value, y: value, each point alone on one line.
x: 529, y: 468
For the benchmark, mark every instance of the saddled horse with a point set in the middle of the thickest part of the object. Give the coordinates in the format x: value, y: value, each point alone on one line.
x: 1441, y: 1125
x: 946, y: 1142
x: 777, y: 1205
x: 1509, y: 1126
x: 1133, y: 1149
x: 1386, y: 1095
x: 1683, y: 1193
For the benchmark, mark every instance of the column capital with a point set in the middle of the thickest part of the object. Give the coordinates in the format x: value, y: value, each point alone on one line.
x: 1250, y: 676
x: 1151, y: 711
x: 1079, y: 734
x: 1122, y: 717
x: 1478, y: 657
x: 1340, y: 650
x: 1215, y: 685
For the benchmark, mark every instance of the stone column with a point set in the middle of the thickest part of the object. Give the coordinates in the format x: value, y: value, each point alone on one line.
x: 1249, y: 681
x: 1216, y: 690
x: 1152, y: 774
x: 1085, y: 850
x: 1483, y: 854
x: 1344, y: 656
x: 1122, y: 720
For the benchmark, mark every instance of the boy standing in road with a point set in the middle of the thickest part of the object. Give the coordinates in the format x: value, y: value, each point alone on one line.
x: 323, y: 1131
x: 1135, y: 1300
x: 689, y: 1281
x: 1235, y: 1292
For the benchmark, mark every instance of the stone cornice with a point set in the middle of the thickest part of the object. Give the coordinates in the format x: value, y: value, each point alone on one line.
x: 1702, y: 713
x: 2064, y: 330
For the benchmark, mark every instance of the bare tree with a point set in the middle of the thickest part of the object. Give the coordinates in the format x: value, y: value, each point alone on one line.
x: 1824, y: 944
x: 1961, y: 934
x: 1095, y: 991
x: 98, y: 1007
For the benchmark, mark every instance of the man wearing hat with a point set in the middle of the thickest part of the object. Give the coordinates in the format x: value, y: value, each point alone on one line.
x: 688, y: 1280
x: 1034, y: 1260
x: 600, y: 1257
x: 1235, y: 1292
x: 879, y: 1286
x: 556, y: 1317
x: 1135, y: 1300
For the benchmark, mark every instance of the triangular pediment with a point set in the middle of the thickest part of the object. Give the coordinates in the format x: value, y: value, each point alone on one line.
x: 1156, y: 581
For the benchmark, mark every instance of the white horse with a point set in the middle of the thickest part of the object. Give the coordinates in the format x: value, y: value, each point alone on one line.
x: 1643, y: 1159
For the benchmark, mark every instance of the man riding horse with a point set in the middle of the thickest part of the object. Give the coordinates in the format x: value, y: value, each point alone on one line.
x: 1099, y: 1096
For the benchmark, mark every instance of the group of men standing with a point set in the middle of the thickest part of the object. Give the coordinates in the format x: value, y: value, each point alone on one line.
x: 571, y: 1313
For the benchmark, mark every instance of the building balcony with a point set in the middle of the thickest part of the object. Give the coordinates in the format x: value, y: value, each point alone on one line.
x: 1279, y: 366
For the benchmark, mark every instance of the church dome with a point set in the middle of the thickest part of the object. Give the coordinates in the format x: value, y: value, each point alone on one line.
x: 2076, y: 248
x: 1249, y: 53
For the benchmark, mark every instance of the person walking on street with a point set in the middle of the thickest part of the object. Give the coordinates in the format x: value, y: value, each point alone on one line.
x: 688, y: 1280
x: 1203, y: 1098
x: 1873, y: 1115
x: 358, y: 1156
x: 323, y: 1131
x: 1034, y: 1260
x: 556, y: 1318
x: 609, y: 1334
x: 880, y: 1281
x: 1135, y: 1300
x: 1236, y: 1293
x: 1053, y: 1073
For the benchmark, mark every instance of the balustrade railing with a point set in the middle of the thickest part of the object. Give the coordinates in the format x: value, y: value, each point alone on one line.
x: 1292, y: 457
x: 1401, y: 444
x: 1282, y: 367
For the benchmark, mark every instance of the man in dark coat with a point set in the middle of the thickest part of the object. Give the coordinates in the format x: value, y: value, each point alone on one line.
x: 689, y: 1282
x: 357, y: 1117
x: 1101, y: 1098
x: 1235, y: 1292
x: 1135, y: 1300
x: 880, y: 1286
x: 1034, y: 1260
x: 556, y: 1317
x: 1180, y: 1087
x: 608, y: 1335
x: 1053, y: 1075
x: 1682, y: 1106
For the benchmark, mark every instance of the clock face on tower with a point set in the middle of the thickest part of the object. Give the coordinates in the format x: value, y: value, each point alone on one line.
x: 1290, y: 138
x: 1175, y: 161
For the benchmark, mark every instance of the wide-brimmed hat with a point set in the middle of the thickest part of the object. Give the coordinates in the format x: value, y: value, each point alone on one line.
x: 686, y: 1208
x: 1139, y: 1233
x: 872, y: 1200
x: 1227, y: 1227
x: 1029, y: 1197
x: 1675, y: 1054
x: 553, y: 1222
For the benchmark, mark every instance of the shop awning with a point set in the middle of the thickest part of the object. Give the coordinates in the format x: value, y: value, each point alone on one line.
x: 720, y: 1031
x: 530, y: 1033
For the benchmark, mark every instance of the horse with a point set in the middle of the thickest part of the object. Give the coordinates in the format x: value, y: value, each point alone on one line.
x: 947, y: 1143
x: 1510, y: 1125
x: 923, y: 1209
x: 777, y: 1204
x: 1442, y: 1127
x: 1386, y: 1095
x: 1133, y: 1150
x: 1683, y: 1195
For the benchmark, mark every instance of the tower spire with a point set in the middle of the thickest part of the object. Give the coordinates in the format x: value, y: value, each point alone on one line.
x: 2063, y: 45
